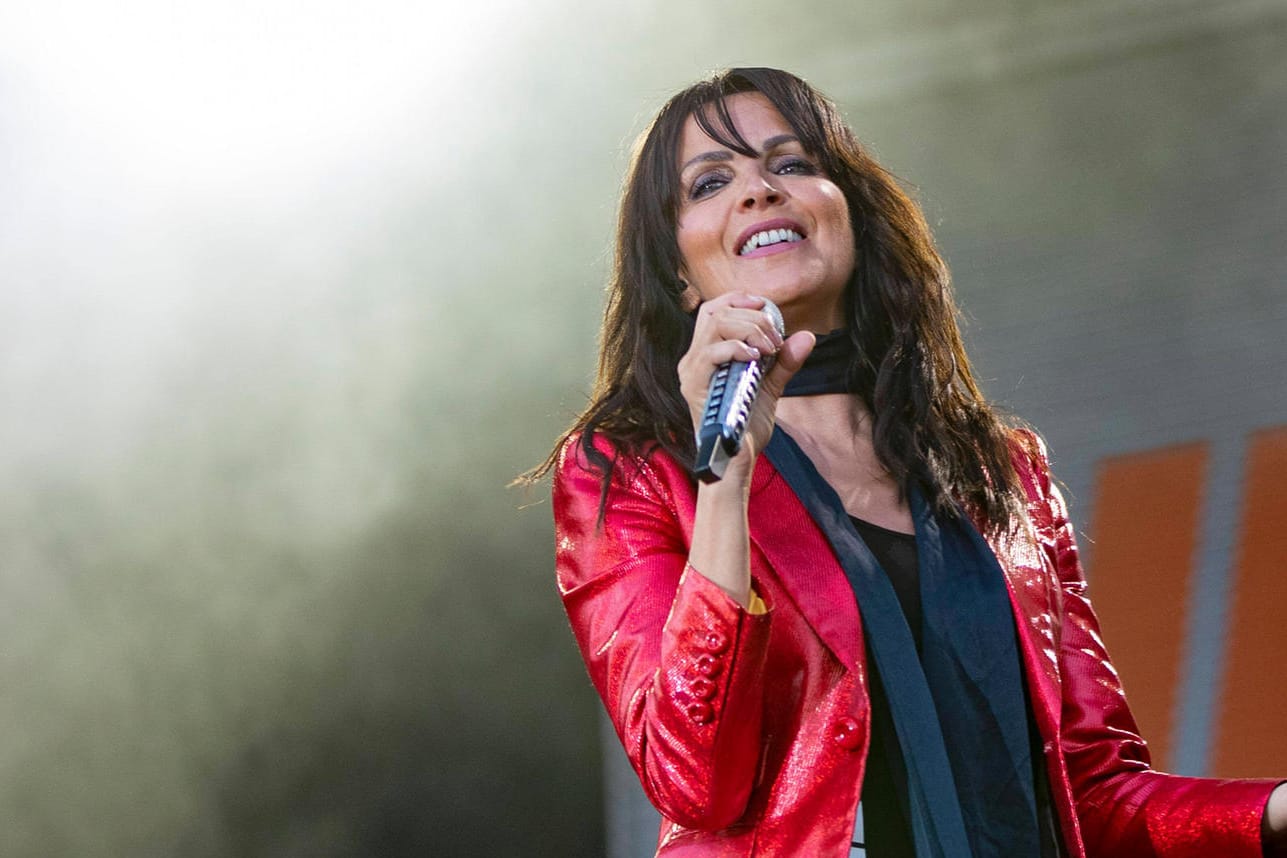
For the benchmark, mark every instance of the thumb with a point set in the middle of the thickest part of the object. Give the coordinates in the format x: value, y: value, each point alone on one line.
x: 790, y: 358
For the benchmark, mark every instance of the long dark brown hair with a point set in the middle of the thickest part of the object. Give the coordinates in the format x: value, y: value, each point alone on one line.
x: 931, y: 425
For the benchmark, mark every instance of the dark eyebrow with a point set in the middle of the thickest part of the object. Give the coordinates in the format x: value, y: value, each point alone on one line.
x: 725, y: 155
x: 775, y: 142
x: 717, y: 155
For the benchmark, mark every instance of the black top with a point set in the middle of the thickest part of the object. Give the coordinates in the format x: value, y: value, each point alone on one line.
x: 886, y: 831
x: 896, y: 554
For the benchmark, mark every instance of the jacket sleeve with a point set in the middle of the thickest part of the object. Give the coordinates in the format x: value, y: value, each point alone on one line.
x: 1125, y: 808
x: 676, y: 661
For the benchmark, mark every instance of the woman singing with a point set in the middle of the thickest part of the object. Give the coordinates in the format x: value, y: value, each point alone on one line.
x: 881, y: 599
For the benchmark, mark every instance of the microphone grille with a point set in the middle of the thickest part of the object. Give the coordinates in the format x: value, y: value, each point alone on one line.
x: 775, y: 316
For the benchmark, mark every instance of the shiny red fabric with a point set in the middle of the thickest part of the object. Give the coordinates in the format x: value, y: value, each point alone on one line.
x: 750, y: 732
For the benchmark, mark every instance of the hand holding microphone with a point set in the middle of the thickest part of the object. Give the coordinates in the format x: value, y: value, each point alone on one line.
x: 732, y: 375
x: 732, y: 392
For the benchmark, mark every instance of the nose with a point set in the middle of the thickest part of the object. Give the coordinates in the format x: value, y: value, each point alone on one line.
x: 760, y: 191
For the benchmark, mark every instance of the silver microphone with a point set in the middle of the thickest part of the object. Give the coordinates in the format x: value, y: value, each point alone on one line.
x: 728, y: 404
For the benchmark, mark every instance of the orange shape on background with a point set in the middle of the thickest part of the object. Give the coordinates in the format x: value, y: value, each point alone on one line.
x: 1145, y: 526
x: 1251, y: 728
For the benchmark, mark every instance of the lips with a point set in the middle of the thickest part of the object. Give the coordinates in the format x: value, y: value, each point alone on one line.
x: 777, y: 233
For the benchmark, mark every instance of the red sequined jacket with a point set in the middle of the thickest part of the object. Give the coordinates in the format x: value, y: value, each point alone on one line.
x: 750, y: 732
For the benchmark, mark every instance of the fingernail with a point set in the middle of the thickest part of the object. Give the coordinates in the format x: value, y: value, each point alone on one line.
x: 755, y: 353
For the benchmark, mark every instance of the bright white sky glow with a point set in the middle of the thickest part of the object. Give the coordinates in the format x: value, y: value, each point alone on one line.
x: 192, y: 96
x: 168, y: 165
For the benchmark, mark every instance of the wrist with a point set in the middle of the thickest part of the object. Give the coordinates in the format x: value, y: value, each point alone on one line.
x: 735, y: 482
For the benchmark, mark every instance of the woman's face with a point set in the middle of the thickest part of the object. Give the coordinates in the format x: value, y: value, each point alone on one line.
x: 770, y: 225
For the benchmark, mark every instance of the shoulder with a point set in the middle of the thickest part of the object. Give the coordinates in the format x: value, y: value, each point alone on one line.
x: 646, y: 472
x: 1032, y: 465
x: 1029, y: 454
x: 606, y: 521
x: 595, y: 455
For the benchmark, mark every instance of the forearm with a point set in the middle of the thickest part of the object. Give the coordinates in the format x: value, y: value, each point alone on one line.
x: 695, y: 733
x: 720, y: 547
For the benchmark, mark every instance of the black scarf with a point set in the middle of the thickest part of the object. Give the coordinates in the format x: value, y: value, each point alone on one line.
x: 827, y: 367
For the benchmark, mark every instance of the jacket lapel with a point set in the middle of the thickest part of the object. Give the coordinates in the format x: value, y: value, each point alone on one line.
x: 1029, y: 583
x: 805, y: 566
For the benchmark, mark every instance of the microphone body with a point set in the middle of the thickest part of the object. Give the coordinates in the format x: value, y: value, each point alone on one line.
x: 732, y: 392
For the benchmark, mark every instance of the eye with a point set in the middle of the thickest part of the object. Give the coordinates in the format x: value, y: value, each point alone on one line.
x: 706, y: 184
x: 794, y: 165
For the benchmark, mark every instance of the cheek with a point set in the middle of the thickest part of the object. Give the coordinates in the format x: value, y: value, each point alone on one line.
x: 843, y: 228
x: 698, y: 243
x: 839, y: 208
x: 685, y: 238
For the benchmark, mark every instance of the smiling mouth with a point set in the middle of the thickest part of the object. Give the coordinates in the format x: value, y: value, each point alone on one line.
x: 768, y: 237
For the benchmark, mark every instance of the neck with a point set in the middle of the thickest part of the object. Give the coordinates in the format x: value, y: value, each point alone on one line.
x: 827, y: 419
x: 834, y: 431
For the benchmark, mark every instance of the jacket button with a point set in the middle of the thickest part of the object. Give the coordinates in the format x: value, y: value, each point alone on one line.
x: 699, y: 712
x: 716, y: 642
x: 702, y: 688
x: 845, y: 733
x: 708, y: 665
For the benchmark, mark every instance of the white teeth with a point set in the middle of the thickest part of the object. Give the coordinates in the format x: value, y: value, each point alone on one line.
x: 769, y: 236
